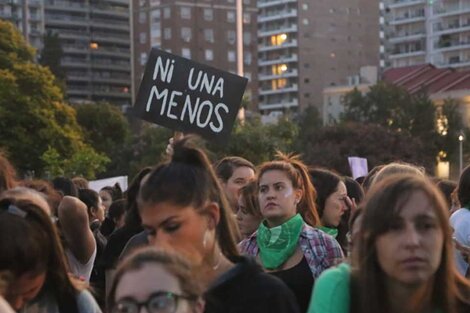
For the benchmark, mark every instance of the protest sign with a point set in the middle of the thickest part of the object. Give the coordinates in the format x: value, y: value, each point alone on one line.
x: 96, y: 185
x: 187, y: 96
x: 358, y: 167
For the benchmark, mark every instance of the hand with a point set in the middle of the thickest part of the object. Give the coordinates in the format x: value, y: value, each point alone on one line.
x: 351, y: 204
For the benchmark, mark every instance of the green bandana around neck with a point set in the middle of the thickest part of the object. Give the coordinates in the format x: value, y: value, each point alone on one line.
x: 278, y: 244
x: 333, y: 232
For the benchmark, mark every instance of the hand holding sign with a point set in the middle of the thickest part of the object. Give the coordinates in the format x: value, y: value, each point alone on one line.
x: 187, y: 96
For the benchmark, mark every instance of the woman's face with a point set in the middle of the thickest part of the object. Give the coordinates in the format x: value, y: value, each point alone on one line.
x: 24, y: 289
x: 277, y: 197
x: 247, y: 223
x: 150, y: 284
x: 240, y: 177
x: 410, y: 252
x: 335, y: 206
x: 106, y: 199
x: 98, y: 212
x: 179, y: 229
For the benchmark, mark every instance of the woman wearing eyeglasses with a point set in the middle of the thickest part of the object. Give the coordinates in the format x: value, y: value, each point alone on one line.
x: 161, y: 282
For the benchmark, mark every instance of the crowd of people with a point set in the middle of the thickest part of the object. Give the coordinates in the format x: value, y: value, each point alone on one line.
x: 193, y: 236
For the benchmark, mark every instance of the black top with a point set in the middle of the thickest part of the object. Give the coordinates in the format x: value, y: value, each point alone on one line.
x: 116, y: 243
x: 246, y: 288
x: 300, y: 280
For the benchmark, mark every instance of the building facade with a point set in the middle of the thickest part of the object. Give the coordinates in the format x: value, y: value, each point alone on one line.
x: 306, y: 46
x: 423, y: 31
x: 204, y: 31
x: 27, y: 16
x: 95, y: 38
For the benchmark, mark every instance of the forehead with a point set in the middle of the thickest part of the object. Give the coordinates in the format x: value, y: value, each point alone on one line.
x: 274, y: 176
x: 418, y: 203
x: 243, y: 172
x: 163, y: 210
x: 141, y: 283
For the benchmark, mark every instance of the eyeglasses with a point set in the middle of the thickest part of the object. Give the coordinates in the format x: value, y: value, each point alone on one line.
x: 159, y: 302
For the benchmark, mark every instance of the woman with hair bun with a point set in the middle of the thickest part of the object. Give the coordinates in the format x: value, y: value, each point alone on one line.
x: 286, y: 243
x: 184, y: 210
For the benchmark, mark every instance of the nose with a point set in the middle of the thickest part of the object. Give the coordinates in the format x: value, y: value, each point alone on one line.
x: 16, y: 303
x: 411, y: 237
x: 159, y: 240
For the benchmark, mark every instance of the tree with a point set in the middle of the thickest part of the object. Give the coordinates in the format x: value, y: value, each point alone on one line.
x: 330, y: 147
x: 51, y: 55
x: 106, y: 129
x: 33, y: 116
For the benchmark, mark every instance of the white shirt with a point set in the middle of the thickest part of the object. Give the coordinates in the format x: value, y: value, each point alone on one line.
x: 460, y: 222
x: 77, y: 268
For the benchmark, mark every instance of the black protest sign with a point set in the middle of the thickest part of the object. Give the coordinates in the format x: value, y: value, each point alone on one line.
x: 186, y: 96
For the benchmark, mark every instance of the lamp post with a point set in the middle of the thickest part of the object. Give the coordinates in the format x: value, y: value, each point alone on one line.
x: 461, y: 138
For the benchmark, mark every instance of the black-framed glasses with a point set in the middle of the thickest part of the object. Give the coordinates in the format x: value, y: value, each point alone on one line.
x: 159, y: 302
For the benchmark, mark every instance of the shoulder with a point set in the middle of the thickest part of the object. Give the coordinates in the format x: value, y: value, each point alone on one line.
x: 318, y: 240
x: 86, y: 303
x: 249, y: 245
x: 331, y: 291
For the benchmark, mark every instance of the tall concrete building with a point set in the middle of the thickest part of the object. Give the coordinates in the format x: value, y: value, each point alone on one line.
x: 27, y: 16
x: 95, y: 37
x: 418, y: 32
x: 306, y: 46
x: 204, y: 31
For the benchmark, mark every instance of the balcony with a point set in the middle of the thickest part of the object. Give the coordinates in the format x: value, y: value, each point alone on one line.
x: 64, y: 20
x: 109, y: 24
x: 73, y: 34
x: 279, y: 105
x: 282, y: 59
x: 451, y: 28
x: 292, y: 73
x: 269, y: 3
x: 285, y: 45
x: 404, y: 3
x: 66, y: 6
x: 452, y: 45
x: 112, y: 37
x: 266, y: 92
x: 407, y: 54
x: 279, y: 30
x: 449, y: 10
x: 280, y: 15
x: 406, y: 36
x: 408, y: 18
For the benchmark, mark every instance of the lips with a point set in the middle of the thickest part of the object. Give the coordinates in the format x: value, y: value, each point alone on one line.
x: 413, y: 262
x: 270, y: 205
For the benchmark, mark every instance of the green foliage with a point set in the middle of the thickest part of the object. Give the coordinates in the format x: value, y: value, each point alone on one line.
x: 331, y: 146
x: 33, y: 116
x: 257, y: 142
x: 86, y: 162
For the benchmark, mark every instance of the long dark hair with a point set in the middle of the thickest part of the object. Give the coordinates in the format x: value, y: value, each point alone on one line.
x: 297, y: 172
x: 189, y: 179
x: 449, y: 291
x: 29, y: 243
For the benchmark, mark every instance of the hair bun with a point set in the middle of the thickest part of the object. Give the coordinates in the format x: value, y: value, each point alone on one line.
x: 186, y: 151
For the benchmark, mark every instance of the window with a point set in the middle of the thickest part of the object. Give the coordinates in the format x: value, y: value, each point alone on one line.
x: 142, y: 17
x: 186, y: 34
x: 167, y: 33
x: 247, y: 75
x: 155, y: 16
x: 278, y: 69
x: 247, y: 38
x: 167, y: 12
x: 186, y: 53
x: 231, y: 56
x: 278, y: 40
x: 209, y: 35
x: 208, y: 14
x: 143, y: 58
x: 209, y: 54
x: 305, y: 21
x: 246, y: 18
x: 231, y: 16
x: 247, y: 57
x: 143, y: 38
x: 305, y: 6
x: 185, y: 12
x: 231, y: 36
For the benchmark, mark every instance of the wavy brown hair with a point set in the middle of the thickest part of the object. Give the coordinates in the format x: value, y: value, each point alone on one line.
x: 297, y: 172
x: 449, y: 291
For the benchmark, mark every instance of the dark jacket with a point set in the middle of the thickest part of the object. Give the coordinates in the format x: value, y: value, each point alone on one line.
x: 246, y: 288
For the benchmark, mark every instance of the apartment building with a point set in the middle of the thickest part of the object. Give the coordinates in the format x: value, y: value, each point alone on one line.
x: 423, y: 31
x: 27, y: 16
x: 95, y: 38
x: 201, y: 30
x: 306, y: 46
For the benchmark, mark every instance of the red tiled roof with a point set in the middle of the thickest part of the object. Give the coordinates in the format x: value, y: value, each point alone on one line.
x: 427, y: 77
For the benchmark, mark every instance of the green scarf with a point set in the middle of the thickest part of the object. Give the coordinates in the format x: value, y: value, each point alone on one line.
x: 278, y: 244
x: 333, y: 232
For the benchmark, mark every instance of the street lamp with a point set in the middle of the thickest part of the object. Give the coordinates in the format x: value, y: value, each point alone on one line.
x: 461, y: 138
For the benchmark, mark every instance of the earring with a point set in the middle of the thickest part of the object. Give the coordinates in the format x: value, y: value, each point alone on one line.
x: 205, y: 238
